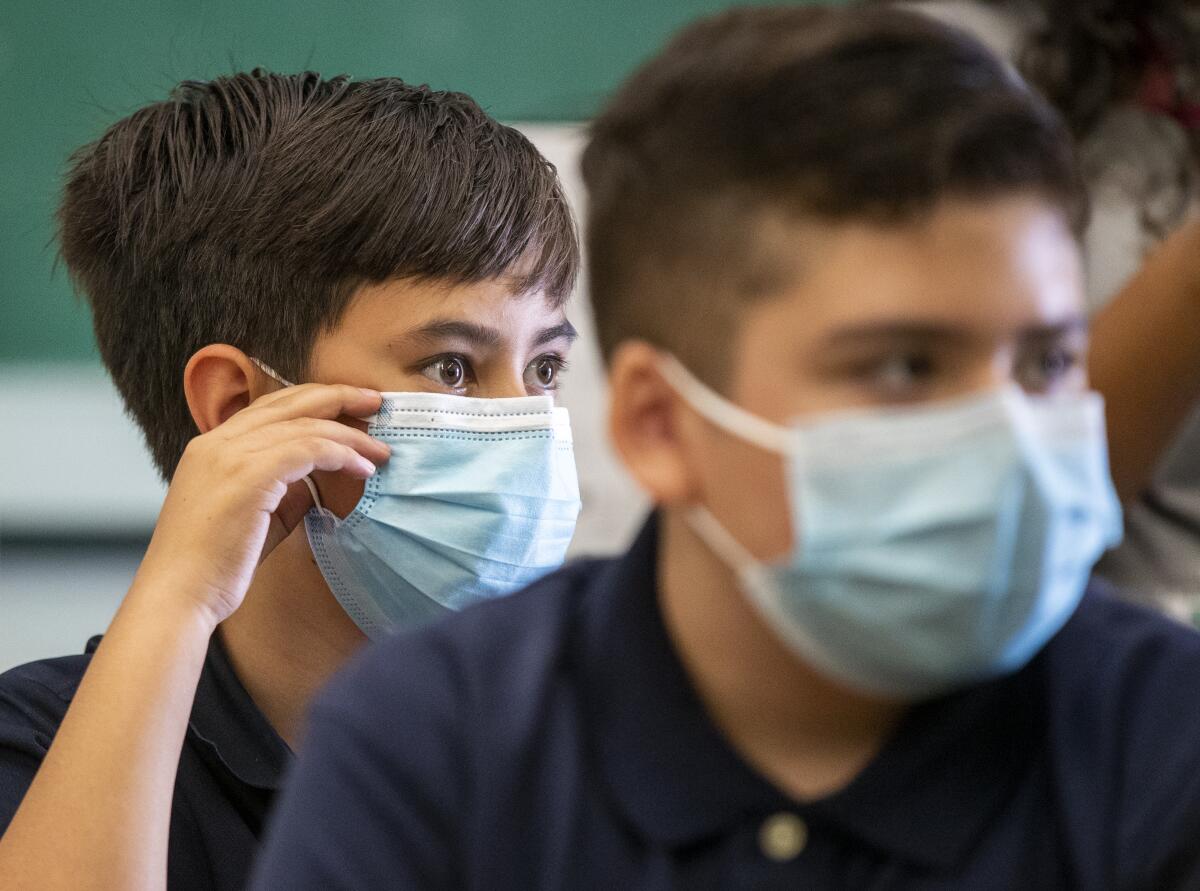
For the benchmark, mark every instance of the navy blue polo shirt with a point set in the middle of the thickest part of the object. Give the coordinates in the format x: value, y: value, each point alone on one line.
x: 553, y: 740
x: 229, y: 770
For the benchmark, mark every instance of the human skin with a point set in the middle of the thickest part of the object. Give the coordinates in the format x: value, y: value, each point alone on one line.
x: 1145, y: 358
x: 229, y: 550
x: 972, y: 297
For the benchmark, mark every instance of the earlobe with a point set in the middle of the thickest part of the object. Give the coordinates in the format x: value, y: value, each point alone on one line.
x: 218, y: 382
x: 646, y: 425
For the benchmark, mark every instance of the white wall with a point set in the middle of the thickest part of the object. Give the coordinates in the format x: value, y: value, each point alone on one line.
x: 70, y: 461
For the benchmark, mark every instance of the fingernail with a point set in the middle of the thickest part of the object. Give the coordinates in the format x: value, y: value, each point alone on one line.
x: 369, y: 392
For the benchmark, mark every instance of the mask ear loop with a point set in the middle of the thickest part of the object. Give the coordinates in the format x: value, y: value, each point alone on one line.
x: 276, y: 376
x: 735, y: 420
x: 731, y: 418
x: 720, y: 540
x: 312, y: 490
x: 270, y: 372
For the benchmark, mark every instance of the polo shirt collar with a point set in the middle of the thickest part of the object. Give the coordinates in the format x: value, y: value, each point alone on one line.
x: 227, y: 723
x: 926, y: 798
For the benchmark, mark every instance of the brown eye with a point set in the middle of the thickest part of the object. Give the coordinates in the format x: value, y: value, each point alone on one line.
x: 542, y: 373
x: 451, y: 372
x: 901, y: 374
x: 1046, y: 369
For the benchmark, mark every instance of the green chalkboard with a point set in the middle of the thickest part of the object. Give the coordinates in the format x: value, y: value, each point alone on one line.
x: 67, y: 70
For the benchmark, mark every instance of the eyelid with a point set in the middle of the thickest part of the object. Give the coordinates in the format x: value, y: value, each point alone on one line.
x: 560, y: 365
x: 468, y: 369
x: 899, y: 359
x: 465, y: 358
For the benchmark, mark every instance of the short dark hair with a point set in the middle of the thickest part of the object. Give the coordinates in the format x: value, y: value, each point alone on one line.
x: 807, y: 113
x: 249, y: 209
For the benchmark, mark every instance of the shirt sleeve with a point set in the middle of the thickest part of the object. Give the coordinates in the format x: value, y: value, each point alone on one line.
x: 375, y: 795
x: 27, y: 725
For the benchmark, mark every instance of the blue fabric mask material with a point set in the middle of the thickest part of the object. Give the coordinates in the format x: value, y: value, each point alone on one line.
x: 478, y: 500
x: 933, y: 546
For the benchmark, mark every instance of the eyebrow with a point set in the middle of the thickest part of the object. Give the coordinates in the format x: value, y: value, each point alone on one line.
x: 481, y: 336
x: 454, y: 329
x: 563, y: 330
x: 944, y: 331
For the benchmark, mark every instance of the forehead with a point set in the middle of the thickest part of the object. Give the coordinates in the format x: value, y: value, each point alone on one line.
x: 994, y: 265
x: 400, y: 304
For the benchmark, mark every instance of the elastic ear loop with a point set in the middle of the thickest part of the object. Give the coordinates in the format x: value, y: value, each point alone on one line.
x: 270, y: 372
x: 312, y: 490
x: 720, y: 541
x: 737, y: 421
x: 720, y: 411
x: 276, y: 376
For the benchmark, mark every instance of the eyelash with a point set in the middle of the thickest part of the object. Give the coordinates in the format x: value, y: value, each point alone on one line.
x: 1071, y: 359
x: 428, y: 367
x: 876, y: 372
x: 559, y: 362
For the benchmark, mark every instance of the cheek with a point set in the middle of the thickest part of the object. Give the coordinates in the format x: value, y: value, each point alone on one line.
x: 746, y: 489
x: 339, y: 493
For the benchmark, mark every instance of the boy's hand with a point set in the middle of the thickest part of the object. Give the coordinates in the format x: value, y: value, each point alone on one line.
x: 238, y: 489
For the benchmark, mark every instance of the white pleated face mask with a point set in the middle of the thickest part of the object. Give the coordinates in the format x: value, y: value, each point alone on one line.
x: 933, y: 546
x: 478, y: 500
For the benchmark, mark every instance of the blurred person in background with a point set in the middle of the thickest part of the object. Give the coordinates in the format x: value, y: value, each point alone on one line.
x: 405, y: 260
x: 857, y: 644
x: 1126, y: 76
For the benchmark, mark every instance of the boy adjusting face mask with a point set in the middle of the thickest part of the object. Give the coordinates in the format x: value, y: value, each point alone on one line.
x: 479, y: 499
x: 933, y: 546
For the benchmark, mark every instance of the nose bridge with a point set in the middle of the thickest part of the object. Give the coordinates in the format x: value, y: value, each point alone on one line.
x: 992, y: 364
x: 1002, y: 369
x: 512, y: 386
x: 504, y: 377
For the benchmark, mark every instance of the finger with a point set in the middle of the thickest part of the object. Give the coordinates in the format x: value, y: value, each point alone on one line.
x: 275, y: 435
x: 296, y: 502
x: 304, y: 401
x: 322, y: 400
x: 301, y: 457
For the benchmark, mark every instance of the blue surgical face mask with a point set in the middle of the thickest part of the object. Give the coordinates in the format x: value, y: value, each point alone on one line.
x: 933, y: 546
x: 478, y: 500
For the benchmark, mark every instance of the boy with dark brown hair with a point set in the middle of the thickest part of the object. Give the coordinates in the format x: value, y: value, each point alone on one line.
x: 405, y: 258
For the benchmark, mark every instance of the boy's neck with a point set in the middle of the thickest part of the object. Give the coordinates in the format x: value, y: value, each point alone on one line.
x: 289, y: 636
x: 807, y: 734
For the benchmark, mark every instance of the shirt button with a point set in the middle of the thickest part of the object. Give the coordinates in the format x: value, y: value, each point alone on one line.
x: 782, y: 837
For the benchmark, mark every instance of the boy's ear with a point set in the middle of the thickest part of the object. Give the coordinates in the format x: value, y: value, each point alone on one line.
x: 648, y: 423
x: 219, y: 381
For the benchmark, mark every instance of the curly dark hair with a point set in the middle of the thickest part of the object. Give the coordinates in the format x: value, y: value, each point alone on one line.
x: 1125, y: 76
x: 1087, y: 55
